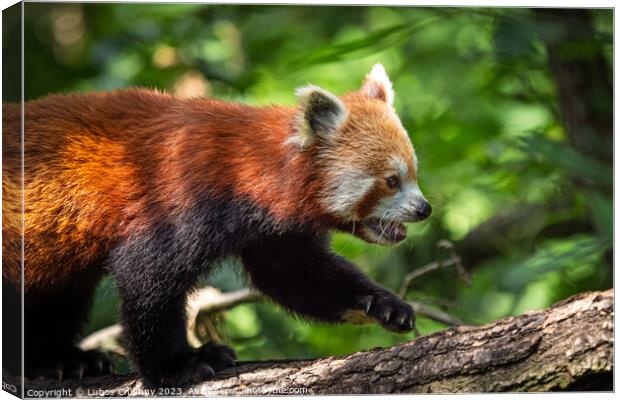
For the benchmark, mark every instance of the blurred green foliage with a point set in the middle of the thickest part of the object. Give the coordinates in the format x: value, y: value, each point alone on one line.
x: 475, y: 91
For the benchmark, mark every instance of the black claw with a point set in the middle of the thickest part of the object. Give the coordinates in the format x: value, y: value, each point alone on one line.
x: 369, y: 302
x: 387, y: 315
x: 75, y: 364
x: 389, y: 310
x: 209, y: 371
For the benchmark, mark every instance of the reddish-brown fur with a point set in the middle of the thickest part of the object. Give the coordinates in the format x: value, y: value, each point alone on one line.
x: 101, y: 166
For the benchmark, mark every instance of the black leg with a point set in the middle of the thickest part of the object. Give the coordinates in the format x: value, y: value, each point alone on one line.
x: 11, y: 328
x: 153, y: 283
x: 299, y: 272
x: 52, y: 326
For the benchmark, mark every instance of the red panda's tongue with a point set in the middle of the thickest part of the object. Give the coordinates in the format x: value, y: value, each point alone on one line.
x: 390, y: 231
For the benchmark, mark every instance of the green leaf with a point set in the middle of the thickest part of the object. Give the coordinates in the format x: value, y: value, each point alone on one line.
x: 560, y: 154
x: 514, y: 37
x: 373, y: 43
x: 554, y: 256
x: 602, y: 209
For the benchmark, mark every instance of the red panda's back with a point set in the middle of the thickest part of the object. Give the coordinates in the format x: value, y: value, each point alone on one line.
x: 103, y: 166
x: 80, y: 179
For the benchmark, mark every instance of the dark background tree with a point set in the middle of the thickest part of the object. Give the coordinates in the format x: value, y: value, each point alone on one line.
x: 510, y: 111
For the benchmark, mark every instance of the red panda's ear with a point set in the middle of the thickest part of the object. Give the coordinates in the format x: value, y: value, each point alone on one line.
x: 378, y: 86
x: 321, y: 114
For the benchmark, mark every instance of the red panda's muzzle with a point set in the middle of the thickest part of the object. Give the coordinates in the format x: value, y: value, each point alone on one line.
x: 377, y: 231
x: 383, y: 232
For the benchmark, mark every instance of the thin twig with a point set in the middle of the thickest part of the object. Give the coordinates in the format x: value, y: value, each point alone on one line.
x: 442, y: 303
x: 453, y: 260
x: 211, y: 300
x: 206, y: 300
x: 436, y: 315
x: 106, y: 339
x: 460, y: 268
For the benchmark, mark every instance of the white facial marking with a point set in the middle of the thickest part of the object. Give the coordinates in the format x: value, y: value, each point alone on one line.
x: 412, y: 191
x: 402, y: 205
x: 346, y: 187
x: 400, y: 165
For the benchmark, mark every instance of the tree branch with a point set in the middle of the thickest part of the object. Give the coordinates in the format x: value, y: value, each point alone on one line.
x: 568, y: 346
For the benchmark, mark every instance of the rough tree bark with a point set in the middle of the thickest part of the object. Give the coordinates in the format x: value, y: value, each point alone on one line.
x: 568, y: 346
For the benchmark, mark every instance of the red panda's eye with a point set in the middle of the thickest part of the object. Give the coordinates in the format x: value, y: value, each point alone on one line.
x: 393, y: 182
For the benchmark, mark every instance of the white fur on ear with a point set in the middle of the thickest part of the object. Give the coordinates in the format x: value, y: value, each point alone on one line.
x: 378, y: 85
x: 322, y: 113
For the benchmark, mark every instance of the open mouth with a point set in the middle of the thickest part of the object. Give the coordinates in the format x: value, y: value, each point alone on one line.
x: 382, y: 231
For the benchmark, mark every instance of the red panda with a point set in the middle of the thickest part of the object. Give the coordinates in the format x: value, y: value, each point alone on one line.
x: 155, y: 189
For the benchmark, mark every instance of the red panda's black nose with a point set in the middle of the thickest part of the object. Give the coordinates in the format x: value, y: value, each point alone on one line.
x: 424, y: 210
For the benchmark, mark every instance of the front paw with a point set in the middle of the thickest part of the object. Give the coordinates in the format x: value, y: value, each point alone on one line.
x: 201, y: 364
x: 390, y: 311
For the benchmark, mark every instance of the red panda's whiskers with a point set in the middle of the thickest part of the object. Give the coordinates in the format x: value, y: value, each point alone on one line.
x: 381, y: 220
x: 390, y: 217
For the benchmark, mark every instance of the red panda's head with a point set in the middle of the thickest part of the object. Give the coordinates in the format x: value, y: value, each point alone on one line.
x: 364, y: 158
